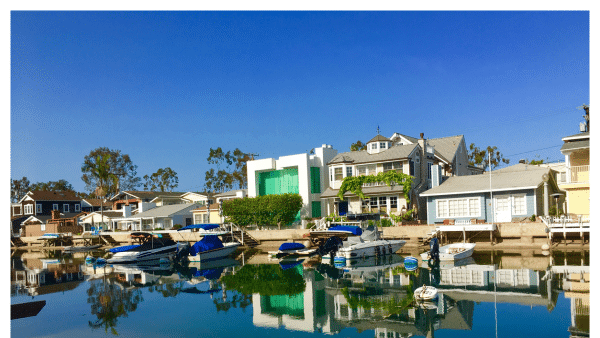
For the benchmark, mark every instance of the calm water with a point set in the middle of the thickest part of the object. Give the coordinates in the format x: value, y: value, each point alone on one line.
x: 493, y: 295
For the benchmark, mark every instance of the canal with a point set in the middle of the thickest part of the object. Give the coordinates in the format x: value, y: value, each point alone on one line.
x: 491, y: 294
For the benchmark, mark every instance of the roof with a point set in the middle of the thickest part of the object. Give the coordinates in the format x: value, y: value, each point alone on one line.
x: 95, y: 202
x: 39, y: 195
x: 149, y: 194
x: 446, y: 146
x: 519, y: 176
x: 105, y: 213
x: 411, y: 139
x: 362, y: 156
x: 379, y: 138
x: 577, y: 136
x: 230, y: 193
x: 213, y: 207
x: 384, y: 189
x: 166, y: 211
x: 46, y: 218
x: 574, y: 145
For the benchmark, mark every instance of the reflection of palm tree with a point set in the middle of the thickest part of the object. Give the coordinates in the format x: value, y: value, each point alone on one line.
x: 108, y: 302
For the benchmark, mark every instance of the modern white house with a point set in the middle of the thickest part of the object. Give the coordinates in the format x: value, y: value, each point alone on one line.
x: 164, y: 218
x: 304, y: 174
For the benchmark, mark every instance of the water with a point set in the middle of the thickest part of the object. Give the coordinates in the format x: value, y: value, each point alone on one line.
x: 495, y: 294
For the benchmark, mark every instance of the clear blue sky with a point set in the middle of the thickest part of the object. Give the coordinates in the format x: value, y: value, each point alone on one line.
x: 165, y: 87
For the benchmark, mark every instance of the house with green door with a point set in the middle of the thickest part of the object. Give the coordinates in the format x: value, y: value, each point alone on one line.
x: 303, y: 174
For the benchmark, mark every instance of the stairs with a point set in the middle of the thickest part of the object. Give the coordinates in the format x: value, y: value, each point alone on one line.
x: 17, y: 242
x: 237, y: 235
x: 108, y: 240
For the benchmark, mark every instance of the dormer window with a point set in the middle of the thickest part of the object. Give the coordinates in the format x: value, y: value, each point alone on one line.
x: 382, y: 145
x: 373, y: 146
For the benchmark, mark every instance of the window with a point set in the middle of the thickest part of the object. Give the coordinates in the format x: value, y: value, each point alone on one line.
x: 54, y: 206
x: 382, y: 201
x: 28, y: 209
x: 373, y: 201
x: 315, y: 180
x: 372, y: 169
x: 38, y: 208
x: 365, y: 203
x: 392, y: 166
x: 429, y: 164
x: 331, y: 174
x: 362, y: 170
x: 197, y: 218
x: 373, y: 146
x: 382, y: 145
x: 77, y: 207
x: 65, y: 208
x: 337, y: 173
x: 519, y: 205
x: 348, y: 171
x: 393, y: 202
x: 458, y: 207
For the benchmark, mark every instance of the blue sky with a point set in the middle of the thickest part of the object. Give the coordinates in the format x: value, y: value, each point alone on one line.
x: 165, y: 87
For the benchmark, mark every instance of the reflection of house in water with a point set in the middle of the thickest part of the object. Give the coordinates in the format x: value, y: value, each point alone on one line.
x: 44, y: 276
x: 575, y: 282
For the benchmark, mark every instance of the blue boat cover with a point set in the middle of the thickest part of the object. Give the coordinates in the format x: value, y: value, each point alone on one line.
x: 200, y: 226
x: 209, y: 242
x: 207, y: 273
x: 291, y: 246
x: 353, y: 229
x: 122, y: 248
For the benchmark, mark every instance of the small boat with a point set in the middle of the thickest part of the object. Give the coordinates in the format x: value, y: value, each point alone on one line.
x: 452, y: 252
x: 368, y: 244
x: 210, y: 247
x: 49, y: 236
x: 426, y: 293
x: 81, y: 248
x: 152, y: 247
x: 205, y: 229
x: 292, y: 249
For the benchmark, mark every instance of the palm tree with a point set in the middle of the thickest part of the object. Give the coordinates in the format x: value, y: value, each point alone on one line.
x: 101, y: 171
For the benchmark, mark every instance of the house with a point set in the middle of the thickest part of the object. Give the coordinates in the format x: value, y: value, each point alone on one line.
x: 40, y: 204
x: 144, y: 200
x: 100, y: 219
x: 164, y: 217
x: 207, y: 214
x: 166, y: 198
x: 95, y: 204
x: 57, y: 222
x: 228, y: 195
x: 303, y: 174
x: 576, y: 149
x: 518, y: 192
x: 404, y: 154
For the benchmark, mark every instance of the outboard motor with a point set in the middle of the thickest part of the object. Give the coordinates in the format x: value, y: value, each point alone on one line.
x: 434, y: 251
x: 183, y: 250
x: 331, y: 246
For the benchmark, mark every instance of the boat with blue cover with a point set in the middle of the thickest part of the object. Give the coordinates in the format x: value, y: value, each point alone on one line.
x: 205, y: 229
x: 153, y: 246
x: 289, y: 249
x: 210, y: 247
x: 367, y: 244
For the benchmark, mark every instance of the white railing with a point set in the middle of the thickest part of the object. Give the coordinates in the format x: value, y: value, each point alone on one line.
x: 376, y: 184
x: 576, y: 223
x: 580, y: 174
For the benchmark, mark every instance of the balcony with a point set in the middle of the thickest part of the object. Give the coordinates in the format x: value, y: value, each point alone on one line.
x: 579, y: 174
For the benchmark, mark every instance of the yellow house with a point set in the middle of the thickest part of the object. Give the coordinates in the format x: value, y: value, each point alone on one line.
x: 203, y: 216
x: 576, y: 149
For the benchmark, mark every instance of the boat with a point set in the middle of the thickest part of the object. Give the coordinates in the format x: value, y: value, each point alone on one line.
x: 205, y: 229
x: 81, y: 248
x: 426, y: 293
x: 368, y: 244
x: 152, y: 247
x: 210, y: 247
x: 290, y: 249
x: 453, y: 252
x: 320, y: 236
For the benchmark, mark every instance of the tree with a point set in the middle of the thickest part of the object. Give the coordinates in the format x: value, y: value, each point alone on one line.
x: 110, y: 170
x: 60, y: 185
x: 162, y: 180
x: 233, y: 174
x: 263, y: 210
x: 358, y: 146
x: 18, y: 189
x: 480, y: 156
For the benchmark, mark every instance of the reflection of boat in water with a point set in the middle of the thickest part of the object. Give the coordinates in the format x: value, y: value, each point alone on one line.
x: 152, y: 247
x: 426, y: 293
x: 24, y: 310
x: 81, y: 248
x: 369, y: 263
x: 453, y: 252
x: 449, y: 264
x: 289, y: 249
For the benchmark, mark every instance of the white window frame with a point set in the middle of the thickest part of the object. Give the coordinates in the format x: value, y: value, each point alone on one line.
x: 43, y: 227
x: 393, y: 202
x: 348, y: 171
x: 463, y: 202
x: 338, y: 173
x: 524, y: 204
x: 77, y: 207
x: 28, y: 209
x: 382, y: 145
x: 54, y: 206
x: 66, y: 207
x: 38, y: 208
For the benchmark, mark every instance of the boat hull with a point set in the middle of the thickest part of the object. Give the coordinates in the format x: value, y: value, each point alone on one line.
x: 370, y: 249
x: 453, y: 252
x: 126, y: 257
x: 226, y: 250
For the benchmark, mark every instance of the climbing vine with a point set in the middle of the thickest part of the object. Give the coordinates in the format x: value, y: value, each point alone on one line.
x: 354, y: 184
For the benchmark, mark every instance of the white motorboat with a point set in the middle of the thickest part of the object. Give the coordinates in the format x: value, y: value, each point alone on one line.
x: 210, y: 247
x: 452, y: 252
x: 152, y: 247
x: 368, y: 244
x: 290, y: 249
x: 205, y: 229
x: 426, y: 293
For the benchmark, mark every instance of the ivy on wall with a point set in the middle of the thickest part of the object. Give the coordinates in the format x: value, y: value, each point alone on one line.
x: 354, y: 184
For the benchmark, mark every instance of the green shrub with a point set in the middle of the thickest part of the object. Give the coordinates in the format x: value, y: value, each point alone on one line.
x: 386, y: 222
x: 177, y: 226
x: 532, y: 218
x: 263, y: 210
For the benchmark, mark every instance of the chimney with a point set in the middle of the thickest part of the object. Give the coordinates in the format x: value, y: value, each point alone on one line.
x: 522, y: 161
x: 55, y: 214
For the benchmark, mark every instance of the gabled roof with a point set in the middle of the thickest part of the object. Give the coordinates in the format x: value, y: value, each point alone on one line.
x: 446, y: 146
x: 574, y: 145
x: 579, y: 136
x: 516, y: 177
x: 166, y: 211
x: 357, y: 157
x: 409, y: 138
x: 148, y: 194
x: 39, y: 195
x: 379, y: 138
x: 95, y: 202
x: 106, y: 213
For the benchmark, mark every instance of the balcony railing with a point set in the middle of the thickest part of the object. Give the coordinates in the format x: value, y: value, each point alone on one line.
x: 580, y: 174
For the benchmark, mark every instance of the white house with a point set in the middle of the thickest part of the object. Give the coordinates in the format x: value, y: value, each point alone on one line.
x: 164, y: 217
x: 304, y: 174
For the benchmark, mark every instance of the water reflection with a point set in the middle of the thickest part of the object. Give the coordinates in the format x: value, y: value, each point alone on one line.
x: 320, y: 296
